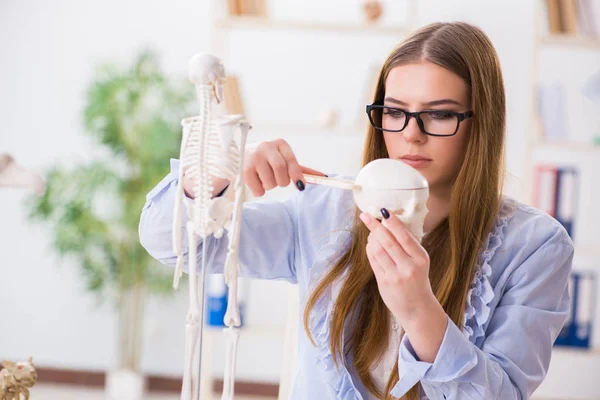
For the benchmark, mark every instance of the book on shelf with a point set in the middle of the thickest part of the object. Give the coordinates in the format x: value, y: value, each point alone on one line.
x: 555, y: 193
x: 568, y: 13
x: 587, y: 18
x: 572, y: 17
x: 248, y: 7
x: 554, y: 25
x: 577, y: 330
x: 233, y: 7
x: 591, y: 88
x: 551, y: 110
x: 233, y: 99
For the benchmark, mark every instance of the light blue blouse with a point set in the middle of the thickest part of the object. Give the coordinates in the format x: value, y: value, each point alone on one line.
x: 517, y: 304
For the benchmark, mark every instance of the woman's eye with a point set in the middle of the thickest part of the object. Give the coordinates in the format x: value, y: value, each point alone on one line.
x: 441, y: 114
x: 393, y: 112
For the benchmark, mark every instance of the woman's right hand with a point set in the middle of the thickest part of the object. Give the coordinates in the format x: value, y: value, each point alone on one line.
x: 271, y: 164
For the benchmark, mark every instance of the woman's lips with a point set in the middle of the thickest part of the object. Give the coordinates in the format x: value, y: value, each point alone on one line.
x: 415, y: 161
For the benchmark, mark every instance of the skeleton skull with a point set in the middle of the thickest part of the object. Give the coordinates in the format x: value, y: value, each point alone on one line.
x: 206, y: 69
x: 396, y: 186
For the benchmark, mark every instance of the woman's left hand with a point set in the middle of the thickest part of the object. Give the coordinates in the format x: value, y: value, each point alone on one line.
x: 401, y: 268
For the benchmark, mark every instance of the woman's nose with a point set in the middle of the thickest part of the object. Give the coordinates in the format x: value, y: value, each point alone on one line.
x: 412, y: 132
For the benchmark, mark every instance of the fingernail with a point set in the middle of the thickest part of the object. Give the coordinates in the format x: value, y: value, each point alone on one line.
x: 300, y: 185
x: 385, y: 213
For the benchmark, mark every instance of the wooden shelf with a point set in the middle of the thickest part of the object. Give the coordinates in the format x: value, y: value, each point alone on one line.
x: 262, y: 23
x: 570, y: 146
x: 571, y: 41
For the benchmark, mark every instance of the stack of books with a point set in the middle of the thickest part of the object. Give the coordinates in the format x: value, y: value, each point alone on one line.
x: 248, y: 7
x: 233, y: 97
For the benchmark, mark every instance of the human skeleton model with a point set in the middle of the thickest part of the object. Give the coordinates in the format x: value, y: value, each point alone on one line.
x: 208, y: 150
x: 14, y: 175
x: 16, y: 379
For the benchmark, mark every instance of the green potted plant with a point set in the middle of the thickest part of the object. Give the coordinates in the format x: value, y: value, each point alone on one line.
x: 133, y: 115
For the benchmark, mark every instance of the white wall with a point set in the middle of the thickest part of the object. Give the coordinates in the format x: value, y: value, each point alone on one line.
x: 48, y: 52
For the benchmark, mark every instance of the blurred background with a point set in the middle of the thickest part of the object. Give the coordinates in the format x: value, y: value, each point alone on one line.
x: 91, y: 98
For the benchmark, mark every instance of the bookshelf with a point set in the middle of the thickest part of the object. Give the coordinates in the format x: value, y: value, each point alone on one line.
x: 570, y: 373
x: 570, y: 146
x: 570, y: 41
x: 548, y: 38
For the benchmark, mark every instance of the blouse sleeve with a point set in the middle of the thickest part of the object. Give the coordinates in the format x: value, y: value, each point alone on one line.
x: 514, y: 357
x: 267, y: 238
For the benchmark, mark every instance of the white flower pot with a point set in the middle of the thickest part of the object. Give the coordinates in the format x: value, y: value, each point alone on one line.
x: 125, y: 385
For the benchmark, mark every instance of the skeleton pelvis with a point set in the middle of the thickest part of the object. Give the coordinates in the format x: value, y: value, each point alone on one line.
x: 220, y: 211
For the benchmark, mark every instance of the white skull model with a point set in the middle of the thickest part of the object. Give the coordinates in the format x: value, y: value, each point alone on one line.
x: 396, y: 186
x: 390, y: 184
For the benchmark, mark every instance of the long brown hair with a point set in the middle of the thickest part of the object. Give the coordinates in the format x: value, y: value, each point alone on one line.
x: 454, y: 244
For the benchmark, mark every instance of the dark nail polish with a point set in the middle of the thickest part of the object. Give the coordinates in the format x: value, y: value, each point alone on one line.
x: 385, y: 213
x: 300, y: 185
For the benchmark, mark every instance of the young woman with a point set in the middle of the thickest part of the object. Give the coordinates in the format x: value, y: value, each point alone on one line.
x: 473, y: 310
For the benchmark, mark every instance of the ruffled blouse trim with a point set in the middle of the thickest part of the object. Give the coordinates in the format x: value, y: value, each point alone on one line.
x: 481, y: 292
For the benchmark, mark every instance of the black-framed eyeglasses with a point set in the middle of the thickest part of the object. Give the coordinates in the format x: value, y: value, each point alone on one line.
x: 431, y: 122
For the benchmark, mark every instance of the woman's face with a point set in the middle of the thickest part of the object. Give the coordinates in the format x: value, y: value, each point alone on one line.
x: 427, y: 86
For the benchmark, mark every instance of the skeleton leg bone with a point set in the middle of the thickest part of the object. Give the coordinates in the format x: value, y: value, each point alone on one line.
x: 233, y: 335
x: 231, y: 270
x: 193, y: 320
x: 201, y: 325
x: 232, y: 314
